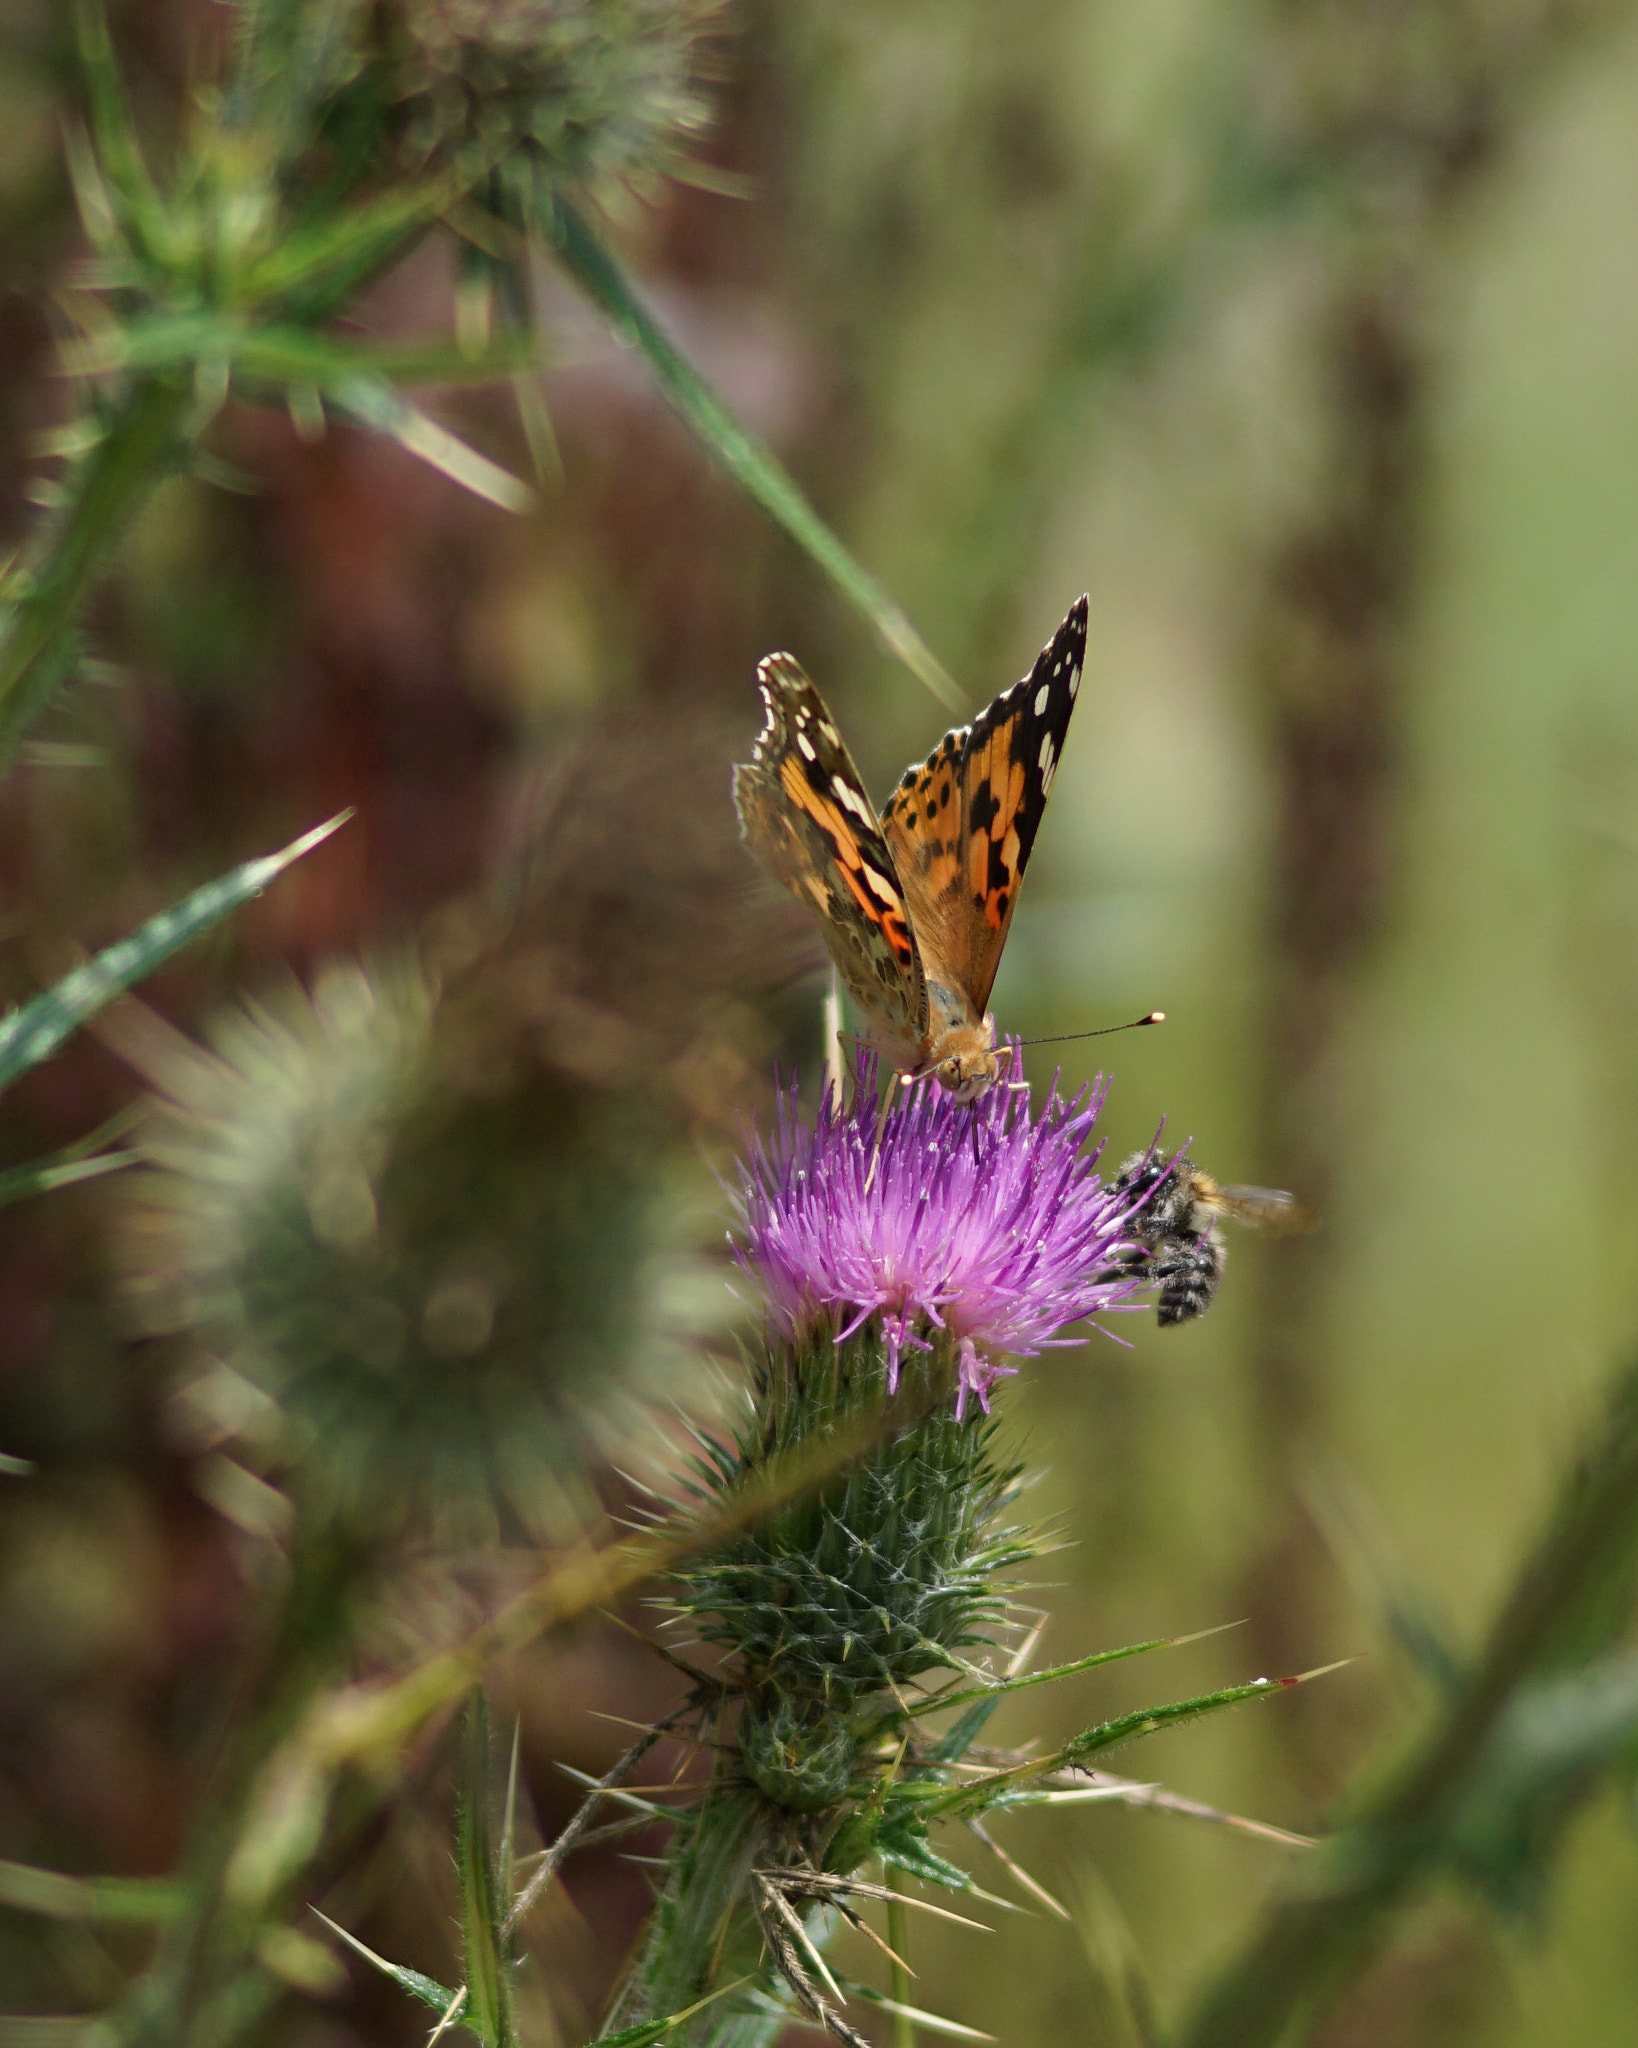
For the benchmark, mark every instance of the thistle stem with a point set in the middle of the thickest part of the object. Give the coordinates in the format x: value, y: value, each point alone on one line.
x: 703, y: 1926
x: 898, y: 1940
x: 205, y: 1987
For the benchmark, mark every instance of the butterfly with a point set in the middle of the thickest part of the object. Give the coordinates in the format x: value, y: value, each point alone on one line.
x: 914, y: 905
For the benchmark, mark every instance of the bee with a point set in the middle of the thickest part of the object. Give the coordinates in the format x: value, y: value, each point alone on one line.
x: 1178, y: 1242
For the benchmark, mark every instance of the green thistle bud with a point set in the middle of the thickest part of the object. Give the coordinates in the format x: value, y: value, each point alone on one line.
x: 587, y: 92
x: 870, y: 1580
x: 428, y: 1288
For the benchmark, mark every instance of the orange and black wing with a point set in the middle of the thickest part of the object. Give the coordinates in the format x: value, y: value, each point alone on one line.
x: 961, y: 827
x: 807, y: 819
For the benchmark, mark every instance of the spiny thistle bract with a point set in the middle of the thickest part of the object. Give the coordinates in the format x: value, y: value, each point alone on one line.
x: 592, y: 93
x: 433, y: 1285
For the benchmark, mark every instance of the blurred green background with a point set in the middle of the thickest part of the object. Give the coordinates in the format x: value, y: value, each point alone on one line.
x: 1304, y: 337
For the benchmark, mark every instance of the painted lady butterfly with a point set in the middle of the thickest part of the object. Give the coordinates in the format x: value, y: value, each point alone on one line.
x: 915, y: 905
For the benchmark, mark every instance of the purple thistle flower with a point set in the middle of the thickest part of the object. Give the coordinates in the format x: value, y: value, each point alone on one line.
x: 984, y: 1221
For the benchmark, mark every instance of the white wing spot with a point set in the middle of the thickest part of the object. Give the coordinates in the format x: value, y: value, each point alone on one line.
x: 1049, y: 762
x: 828, y: 731
x: 1075, y: 682
x: 880, y: 887
x: 1041, y: 696
x: 805, y: 746
x: 847, y: 795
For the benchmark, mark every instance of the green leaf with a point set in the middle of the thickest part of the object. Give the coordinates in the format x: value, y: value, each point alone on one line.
x: 34, y: 1032
x: 359, y: 378
x: 979, y: 1794
x: 1054, y: 1672
x: 284, y: 355
x: 484, y: 1899
x: 59, y: 1170
x: 427, y: 1989
x: 1553, y: 1737
x: 57, y: 1897
x: 374, y: 403
x: 747, y: 460
x: 930, y: 2020
x: 647, y: 2031
x: 127, y: 184
x: 902, y: 1841
x: 311, y: 270
x: 289, y: 54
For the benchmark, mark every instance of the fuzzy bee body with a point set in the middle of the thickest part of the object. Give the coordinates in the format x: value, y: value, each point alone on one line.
x: 1177, y: 1241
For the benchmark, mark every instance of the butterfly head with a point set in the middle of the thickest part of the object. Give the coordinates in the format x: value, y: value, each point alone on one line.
x: 964, y: 1060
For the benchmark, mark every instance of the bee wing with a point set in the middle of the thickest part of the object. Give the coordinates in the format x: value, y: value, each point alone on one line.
x: 1270, y: 1209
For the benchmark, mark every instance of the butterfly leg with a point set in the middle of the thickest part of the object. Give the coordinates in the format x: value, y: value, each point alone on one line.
x: 882, y: 1115
x: 834, y: 1068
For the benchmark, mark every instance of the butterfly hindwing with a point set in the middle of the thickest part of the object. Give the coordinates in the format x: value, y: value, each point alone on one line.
x: 806, y: 816
x: 960, y: 828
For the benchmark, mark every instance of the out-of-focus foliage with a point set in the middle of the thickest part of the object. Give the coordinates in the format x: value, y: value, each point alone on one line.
x: 594, y: 94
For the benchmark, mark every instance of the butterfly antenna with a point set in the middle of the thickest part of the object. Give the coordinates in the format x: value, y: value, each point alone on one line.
x: 1108, y: 1030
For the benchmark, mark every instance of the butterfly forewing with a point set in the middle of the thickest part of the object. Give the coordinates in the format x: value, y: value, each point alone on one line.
x: 806, y: 817
x: 960, y: 828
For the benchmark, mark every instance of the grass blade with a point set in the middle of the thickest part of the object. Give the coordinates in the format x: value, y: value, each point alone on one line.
x: 747, y: 460
x: 34, y: 1032
x: 56, y: 1897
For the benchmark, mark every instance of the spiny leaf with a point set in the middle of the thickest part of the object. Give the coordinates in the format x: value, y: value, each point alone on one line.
x: 312, y: 269
x: 647, y: 2031
x: 426, y: 1989
x: 1054, y: 1672
x: 34, y: 1032
x: 982, y: 1793
x: 930, y: 2020
x: 747, y: 460
x: 376, y: 403
x: 124, y: 177
x: 359, y: 379
x: 902, y: 1841
x: 285, y: 354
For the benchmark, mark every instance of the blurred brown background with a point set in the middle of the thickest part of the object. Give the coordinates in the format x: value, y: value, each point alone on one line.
x: 1305, y: 338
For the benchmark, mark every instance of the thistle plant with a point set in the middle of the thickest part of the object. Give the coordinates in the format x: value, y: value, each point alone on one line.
x: 900, y: 1281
